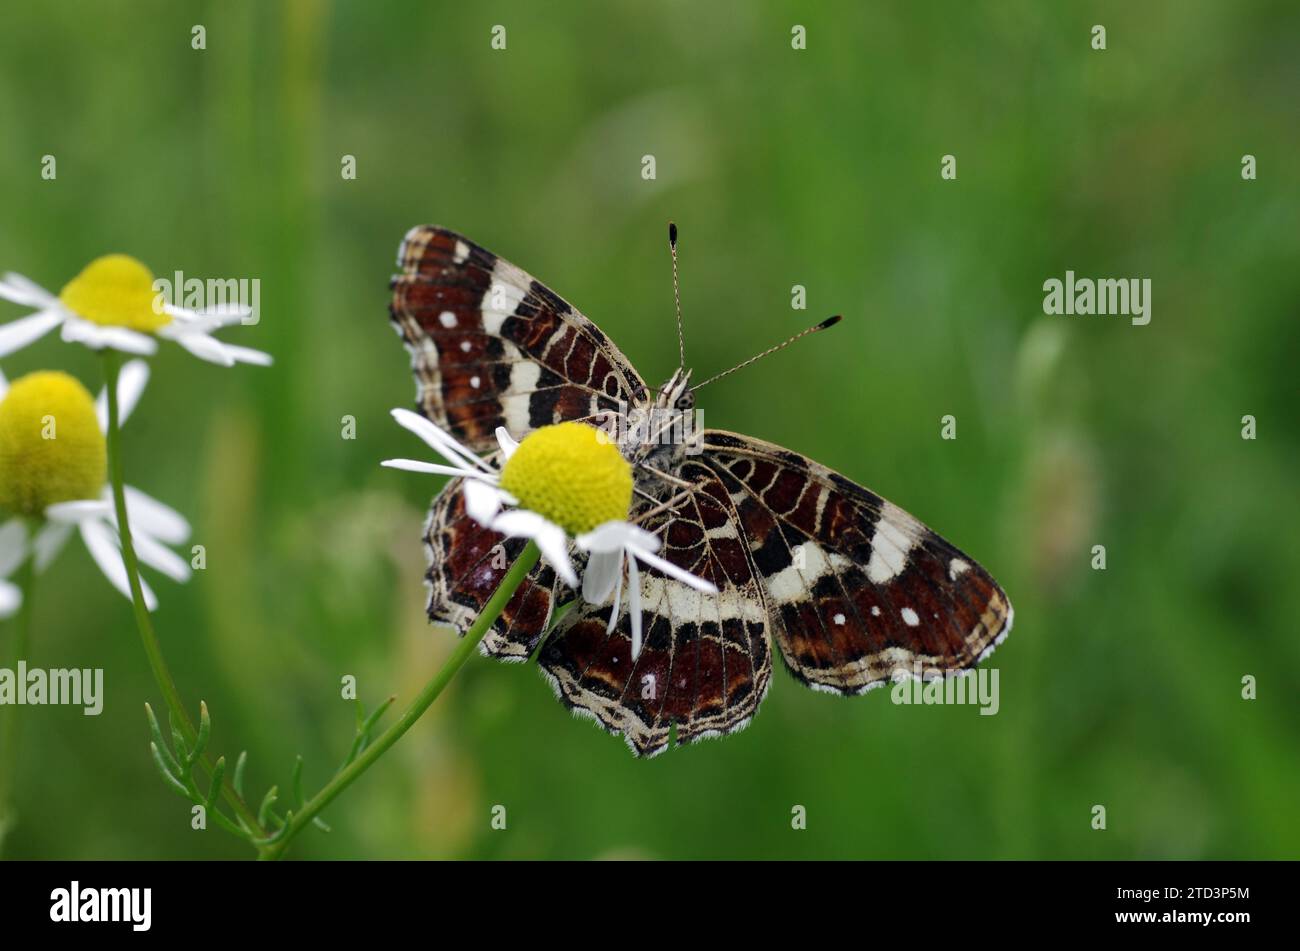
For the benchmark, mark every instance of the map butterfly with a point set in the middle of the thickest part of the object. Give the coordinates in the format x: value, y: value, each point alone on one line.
x: 848, y: 587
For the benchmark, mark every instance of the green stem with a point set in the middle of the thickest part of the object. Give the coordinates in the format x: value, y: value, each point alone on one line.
x: 464, y: 650
x: 153, y: 651
x: 9, y: 733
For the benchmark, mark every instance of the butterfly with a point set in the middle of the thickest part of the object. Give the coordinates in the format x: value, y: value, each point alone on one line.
x: 849, y: 588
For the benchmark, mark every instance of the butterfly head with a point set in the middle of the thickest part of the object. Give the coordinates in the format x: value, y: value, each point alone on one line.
x: 676, y: 395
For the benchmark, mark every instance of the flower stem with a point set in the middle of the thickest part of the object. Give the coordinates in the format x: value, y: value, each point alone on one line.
x: 153, y: 651
x: 9, y: 732
x: 464, y: 650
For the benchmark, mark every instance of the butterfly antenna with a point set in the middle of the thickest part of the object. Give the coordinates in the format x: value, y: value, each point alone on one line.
x: 677, y: 296
x: 828, y: 322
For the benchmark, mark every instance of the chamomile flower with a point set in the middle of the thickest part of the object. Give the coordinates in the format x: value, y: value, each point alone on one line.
x: 53, y: 469
x: 112, y: 304
x: 563, y: 482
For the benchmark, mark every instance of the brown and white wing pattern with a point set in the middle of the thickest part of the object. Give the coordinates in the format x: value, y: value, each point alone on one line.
x: 467, y: 563
x: 705, y: 663
x: 490, y: 346
x: 856, y: 589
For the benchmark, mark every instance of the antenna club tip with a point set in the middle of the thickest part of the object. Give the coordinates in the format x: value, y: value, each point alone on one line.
x: 672, y: 233
x: 830, y: 321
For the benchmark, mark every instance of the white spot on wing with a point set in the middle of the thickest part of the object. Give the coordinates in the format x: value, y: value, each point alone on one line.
x: 462, y: 252
x: 503, y: 294
x: 792, y: 584
x: 447, y: 319
x: 896, y: 533
x: 957, y: 567
x: 910, y: 617
x: 514, y: 404
x: 475, y: 382
x: 839, y: 619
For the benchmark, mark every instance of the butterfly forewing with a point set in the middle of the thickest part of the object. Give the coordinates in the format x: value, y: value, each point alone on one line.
x: 492, y: 347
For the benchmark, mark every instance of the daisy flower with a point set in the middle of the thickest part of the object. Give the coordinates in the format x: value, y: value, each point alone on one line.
x: 53, y: 471
x: 112, y: 304
x: 563, y: 482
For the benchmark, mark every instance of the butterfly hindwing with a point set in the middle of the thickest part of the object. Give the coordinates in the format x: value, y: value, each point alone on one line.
x: 856, y: 588
x: 490, y: 346
x: 704, y: 665
x: 467, y: 563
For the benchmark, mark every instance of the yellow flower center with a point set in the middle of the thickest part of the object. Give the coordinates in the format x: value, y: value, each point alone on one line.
x: 51, y: 447
x: 116, y: 290
x: 570, y: 474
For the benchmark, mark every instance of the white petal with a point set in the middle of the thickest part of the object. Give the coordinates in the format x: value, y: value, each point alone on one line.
x: 414, y: 465
x: 618, y: 598
x: 443, y: 442
x: 518, y: 523
x: 72, y: 513
x: 154, y: 518
x: 602, y: 572
x: 249, y: 355
x: 16, y: 288
x: 198, y: 343
x: 99, y: 337
x: 555, y: 549
x: 482, y: 501
x: 4, y: 384
x: 102, y: 545
x: 506, y: 442
x: 11, y: 598
x: 615, y: 536
x: 19, y: 333
x: 209, y: 318
x: 159, y: 556
x: 634, y: 605
x: 13, y: 545
x: 668, y: 568
x: 50, y: 541
x: 130, y: 386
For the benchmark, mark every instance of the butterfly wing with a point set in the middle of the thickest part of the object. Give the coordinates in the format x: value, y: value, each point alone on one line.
x: 467, y: 563
x: 492, y: 347
x: 855, y: 587
x: 704, y: 664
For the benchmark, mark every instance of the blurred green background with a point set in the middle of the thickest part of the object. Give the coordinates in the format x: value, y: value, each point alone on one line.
x: 819, y: 167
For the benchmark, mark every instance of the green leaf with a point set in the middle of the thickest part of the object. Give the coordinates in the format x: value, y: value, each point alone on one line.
x: 238, y: 782
x: 178, y: 738
x: 166, y: 774
x: 214, y: 790
x: 162, y: 752
x: 296, y: 785
x: 205, y: 732
x: 267, y: 802
x: 379, y: 712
